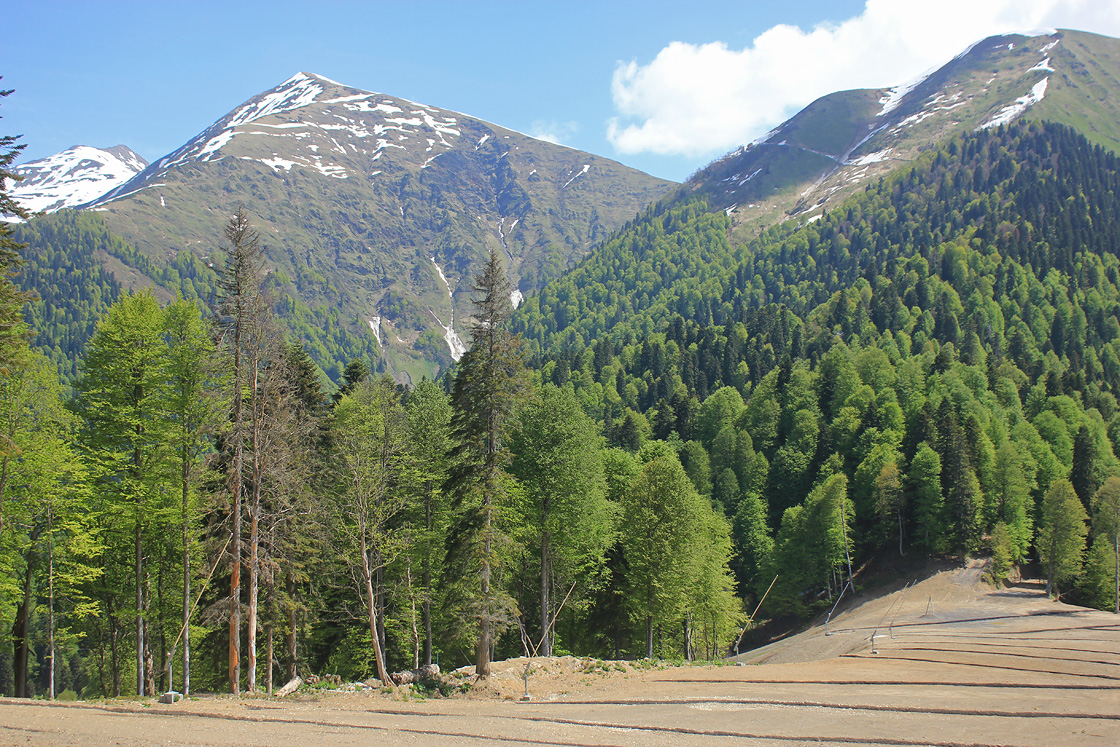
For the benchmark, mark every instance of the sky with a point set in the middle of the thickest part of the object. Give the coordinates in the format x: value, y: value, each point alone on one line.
x: 665, y: 87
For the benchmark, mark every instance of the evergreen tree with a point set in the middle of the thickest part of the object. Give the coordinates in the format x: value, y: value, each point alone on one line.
x: 489, y: 385
x: 1083, y: 472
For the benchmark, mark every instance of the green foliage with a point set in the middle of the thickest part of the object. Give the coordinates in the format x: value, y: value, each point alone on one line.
x: 1061, y: 534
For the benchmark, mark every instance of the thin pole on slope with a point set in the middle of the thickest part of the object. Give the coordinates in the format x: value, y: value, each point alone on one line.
x: 905, y: 591
x: 175, y: 645
x: 886, y: 612
x: 526, y: 641
x: 750, y: 619
x: 847, y: 586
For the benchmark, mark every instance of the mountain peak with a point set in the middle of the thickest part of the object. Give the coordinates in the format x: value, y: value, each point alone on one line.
x: 75, y: 176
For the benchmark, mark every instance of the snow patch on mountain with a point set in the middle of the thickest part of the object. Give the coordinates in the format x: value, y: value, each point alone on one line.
x: 892, y: 97
x: 454, y: 343
x: 870, y: 158
x: 375, y: 325
x: 577, y: 174
x: 342, y: 122
x: 1043, y: 66
x: 1021, y: 104
x: 73, y: 177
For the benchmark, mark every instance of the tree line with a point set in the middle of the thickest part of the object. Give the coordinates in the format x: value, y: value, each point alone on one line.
x: 201, y: 514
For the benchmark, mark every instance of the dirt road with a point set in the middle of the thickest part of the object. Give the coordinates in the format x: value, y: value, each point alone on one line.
x: 953, y: 663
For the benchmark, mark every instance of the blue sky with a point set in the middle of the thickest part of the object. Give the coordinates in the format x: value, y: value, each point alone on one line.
x: 661, y: 86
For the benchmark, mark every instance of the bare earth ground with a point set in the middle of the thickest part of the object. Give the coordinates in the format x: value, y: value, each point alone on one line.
x: 949, y: 661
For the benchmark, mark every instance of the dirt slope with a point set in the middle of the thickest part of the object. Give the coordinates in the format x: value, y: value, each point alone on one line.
x: 954, y: 662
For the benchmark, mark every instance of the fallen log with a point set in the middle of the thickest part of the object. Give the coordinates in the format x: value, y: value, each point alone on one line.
x: 289, y: 688
x: 426, y: 672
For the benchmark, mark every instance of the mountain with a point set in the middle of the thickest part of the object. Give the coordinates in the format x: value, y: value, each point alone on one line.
x: 843, y: 141
x: 376, y: 212
x: 75, y: 176
x: 685, y: 253
x: 941, y: 353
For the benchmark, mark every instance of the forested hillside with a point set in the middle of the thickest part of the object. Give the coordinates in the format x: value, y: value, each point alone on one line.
x: 945, y: 345
x: 67, y: 265
x: 929, y: 371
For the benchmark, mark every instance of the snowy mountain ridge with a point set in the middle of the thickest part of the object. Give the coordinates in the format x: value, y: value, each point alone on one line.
x: 377, y: 211
x: 841, y: 141
x: 74, y: 177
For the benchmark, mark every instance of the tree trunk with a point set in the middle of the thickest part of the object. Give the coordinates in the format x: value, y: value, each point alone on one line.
x: 1116, y: 547
x: 412, y: 604
x: 427, y: 608
x: 19, y: 637
x: 371, y: 603
x: 237, y: 486
x: 649, y: 635
x: 379, y: 595
x: 268, y: 678
x: 482, y: 653
x: 186, y: 577
x: 114, y: 634
x: 50, y: 598
x: 254, y: 582
x: 139, y: 569
x: 546, y: 578
x: 149, y: 669
x: 291, y: 638
x: 900, y: 533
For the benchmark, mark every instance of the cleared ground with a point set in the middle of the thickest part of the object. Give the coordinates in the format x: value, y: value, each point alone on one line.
x: 948, y: 661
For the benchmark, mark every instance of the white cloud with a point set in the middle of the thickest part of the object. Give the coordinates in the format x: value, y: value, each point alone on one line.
x: 559, y: 133
x: 698, y: 99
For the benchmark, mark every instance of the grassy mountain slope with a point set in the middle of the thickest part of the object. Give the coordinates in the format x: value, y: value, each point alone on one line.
x: 363, y: 200
x: 841, y: 142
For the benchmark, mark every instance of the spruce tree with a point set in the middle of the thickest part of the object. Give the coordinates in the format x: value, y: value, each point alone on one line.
x: 489, y: 385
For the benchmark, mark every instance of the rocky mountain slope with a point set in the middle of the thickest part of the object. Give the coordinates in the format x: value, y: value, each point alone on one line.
x: 74, y: 177
x: 842, y: 141
x: 376, y: 210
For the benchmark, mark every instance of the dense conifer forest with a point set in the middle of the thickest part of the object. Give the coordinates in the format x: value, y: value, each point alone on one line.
x: 620, y: 468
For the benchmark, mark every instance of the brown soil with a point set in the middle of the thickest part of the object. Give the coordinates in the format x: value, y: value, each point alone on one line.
x: 949, y: 661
